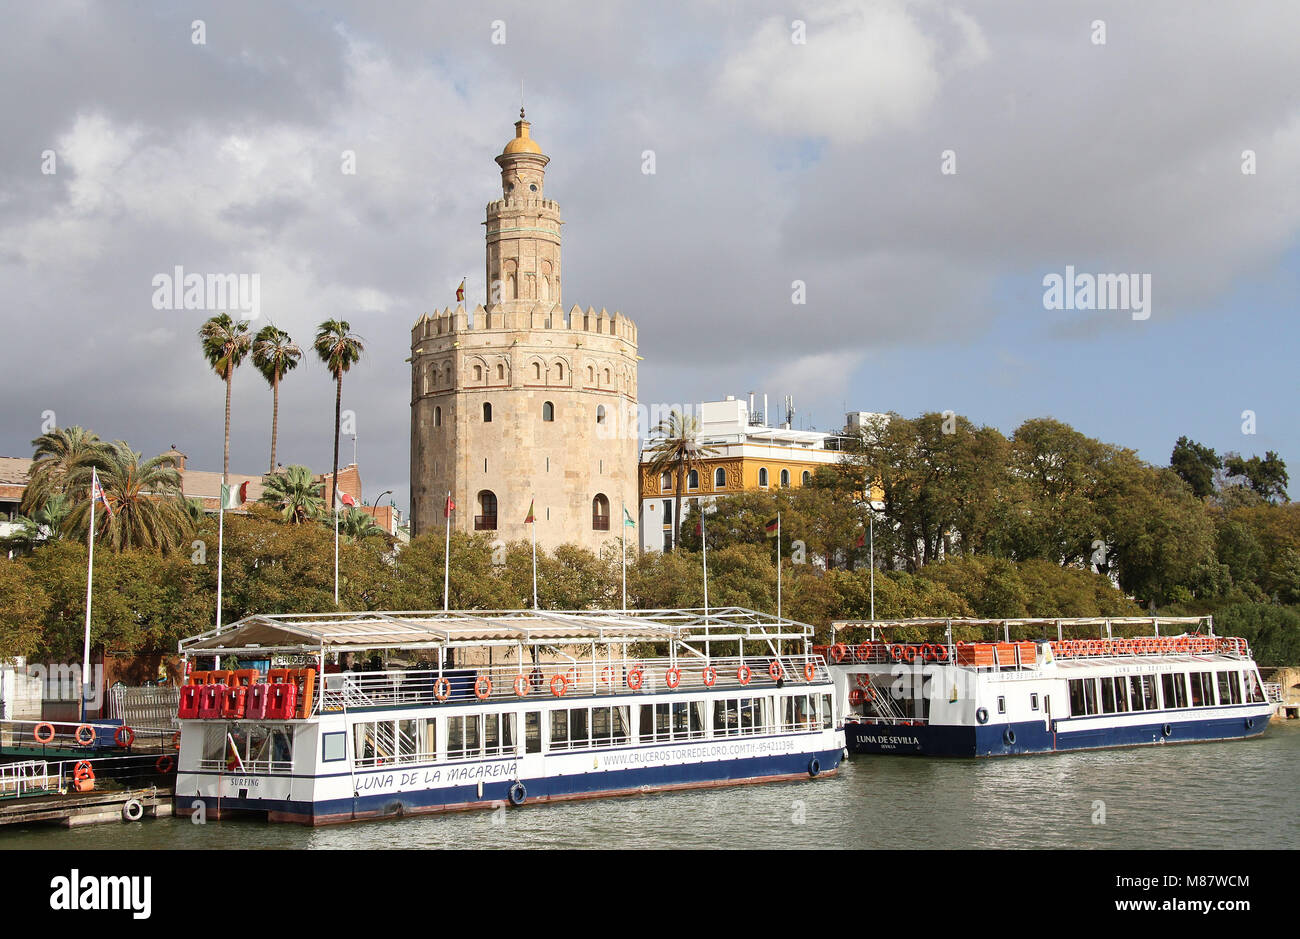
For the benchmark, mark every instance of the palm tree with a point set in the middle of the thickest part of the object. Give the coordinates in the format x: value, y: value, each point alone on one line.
x: 339, y: 349
x: 295, y: 494
x: 679, y: 450
x: 39, y: 528
x: 225, y: 343
x: 356, y: 524
x: 57, y: 452
x: 274, y: 354
x: 149, y: 510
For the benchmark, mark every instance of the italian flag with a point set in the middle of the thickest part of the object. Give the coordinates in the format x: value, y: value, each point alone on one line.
x: 232, y: 497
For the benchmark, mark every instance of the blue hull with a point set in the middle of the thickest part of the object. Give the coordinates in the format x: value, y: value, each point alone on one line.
x: 1032, y: 737
x: 548, y: 789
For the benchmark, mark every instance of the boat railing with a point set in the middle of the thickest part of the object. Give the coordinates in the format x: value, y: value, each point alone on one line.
x: 1026, y: 653
x: 26, y: 778
x: 400, y: 688
x: 230, y: 766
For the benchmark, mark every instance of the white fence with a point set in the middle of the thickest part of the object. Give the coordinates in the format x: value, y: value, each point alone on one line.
x: 146, y: 708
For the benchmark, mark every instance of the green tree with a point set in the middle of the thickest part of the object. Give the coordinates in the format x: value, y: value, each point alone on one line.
x: 57, y: 454
x: 225, y: 342
x: 149, y: 510
x: 274, y: 355
x: 677, y: 449
x: 1267, y: 477
x: 356, y: 524
x: 339, y: 349
x: 1196, y: 465
x: 295, y: 494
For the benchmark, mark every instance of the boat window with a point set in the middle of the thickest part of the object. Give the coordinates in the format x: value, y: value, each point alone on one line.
x: 733, y: 716
x: 797, y: 713
x: 333, y: 747
x: 1083, y: 697
x: 559, y: 729
x: 1149, y: 699
x: 1254, y: 689
x: 1229, y: 688
x: 1174, y: 686
x: 828, y: 713
x: 609, y: 726
x: 1202, y: 689
x: 1002, y: 704
x: 1121, y: 692
x: 378, y: 743
x: 1107, y: 696
x: 464, y: 736
x: 1033, y: 702
x: 578, y: 724
x: 533, y: 732
x: 498, y: 734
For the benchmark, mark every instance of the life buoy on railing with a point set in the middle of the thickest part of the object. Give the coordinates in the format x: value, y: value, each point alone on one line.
x: 940, y: 653
x: 442, y: 689
x: 775, y: 670
x: 864, y: 652
x: 809, y: 671
x: 856, y: 696
x: 744, y: 674
x: 710, y: 675
x: 909, y: 653
x: 896, y: 653
x: 559, y: 685
x: 521, y: 685
x: 482, y: 687
x: 927, y: 652
x: 36, y: 732
x: 607, y: 675
x: 635, y: 676
x: 124, y: 732
x: 164, y: 764
x: 672, y: 677
x: 838, y: 651
x: 81, y: 738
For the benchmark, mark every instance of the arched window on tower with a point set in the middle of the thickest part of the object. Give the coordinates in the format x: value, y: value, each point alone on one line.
x: 486, y: 519
x: 719, y: 478
x: 478, y: 374
x: 501, y: 372
x: 537, y: 371
x: 437, y: 417
x: 548, y: 411
x: 487, y: 413
x: 606, y: 378
x: 591, y: 375
x: 600, y: 513
x: 600, y: 414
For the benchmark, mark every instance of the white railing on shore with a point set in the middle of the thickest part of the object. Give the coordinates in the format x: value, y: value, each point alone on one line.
x: 31, y: 776
x: 350, y: 690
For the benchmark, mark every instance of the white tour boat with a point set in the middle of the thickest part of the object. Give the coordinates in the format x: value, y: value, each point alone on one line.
x: 493, y: 708
x: 947, y: 698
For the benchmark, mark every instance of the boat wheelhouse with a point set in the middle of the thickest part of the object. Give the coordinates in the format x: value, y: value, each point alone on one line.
x: 994, y: 698
x: 458, y: 710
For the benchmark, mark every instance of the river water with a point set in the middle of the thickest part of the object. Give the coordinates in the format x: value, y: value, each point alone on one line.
x: 1240, y: 794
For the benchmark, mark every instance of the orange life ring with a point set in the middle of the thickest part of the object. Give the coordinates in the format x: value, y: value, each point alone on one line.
x: 673, y: 677
x: 743, y: 674
x: 862, y: 681
x: 176, y: 740
x: 809, y: 671
x: 635, y: 676
x: 85, y: 742
x: 855, y: 696
x: 563, y: 685
x: 710, y: 676
x: 863, y: 652
x: 896, y: 653
x: 775, y: 670
x: 909, y: 653
x: 83, y: 770
x: 838, y: 651
x: 482, y: 687
x: 122, y: 732
x: 607, y: 674
x: 36, y: 732
x: 940, y: 653
x: 164, y: 764
x: 521, y: 685
x: 442, y: 689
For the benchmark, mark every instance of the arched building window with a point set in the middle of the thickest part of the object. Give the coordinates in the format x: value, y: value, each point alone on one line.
x: 785, y: 479
x: 487, y: 413
x: 478, y: 373
x: 693, y: 479
x: 665, y: 481
x: 501, y: 372
x: 719, y: 478
x: 600, y: 414
x: 437, y: 417
x: 548, y: 411
x: 537, y: 371
x: 486, y: 519
x: 762, y: 476
x: 600, y: 513
x: 806, y: 478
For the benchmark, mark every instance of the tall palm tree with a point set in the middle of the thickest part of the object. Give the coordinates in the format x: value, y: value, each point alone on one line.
x: 339, y: 349
x: 295, y: 494
x: 149, y: 510
x: 678, y: 450
x: 356, y: 524
x: 274, y: 354
x: 225, y: 343
x: 57, y: 453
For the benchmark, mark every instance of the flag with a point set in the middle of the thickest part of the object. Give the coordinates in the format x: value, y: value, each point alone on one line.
x: 97, y: 493
x: 234, y: 497
x: 449, y: 508
x: 627, y: 518
x: 699, y: 527
x: 460, y: 291
x: 530, y: 519
x: 770, y: 528
x: 861, y: 542
x: 344, y: 497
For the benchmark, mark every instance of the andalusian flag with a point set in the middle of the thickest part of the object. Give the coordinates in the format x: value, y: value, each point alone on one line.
x: 530, y: 519
x: 771, y: 528
x: 460, y: 291
x: 232, y: 497
x: 627, y: 518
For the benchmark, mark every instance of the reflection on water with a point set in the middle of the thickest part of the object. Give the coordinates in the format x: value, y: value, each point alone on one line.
x: 1218, y: 795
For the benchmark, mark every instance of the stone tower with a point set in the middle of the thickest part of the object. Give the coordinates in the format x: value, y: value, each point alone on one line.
x: 521, y: 401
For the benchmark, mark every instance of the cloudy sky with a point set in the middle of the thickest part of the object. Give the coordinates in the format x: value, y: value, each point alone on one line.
x: 813, y: 144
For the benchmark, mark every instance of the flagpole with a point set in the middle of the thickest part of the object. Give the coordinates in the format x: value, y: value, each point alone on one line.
x: 90, y: 572
x: 534, y: 558
x: 446, y: 557
x: 221, y: 542
x: 704, y: 543
x: 623, y: 525
x: 336, y: 545
x: 871, y: 530
x: 778, y: 565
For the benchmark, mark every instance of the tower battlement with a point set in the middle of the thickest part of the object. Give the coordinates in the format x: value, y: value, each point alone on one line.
x: 543, y: 316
